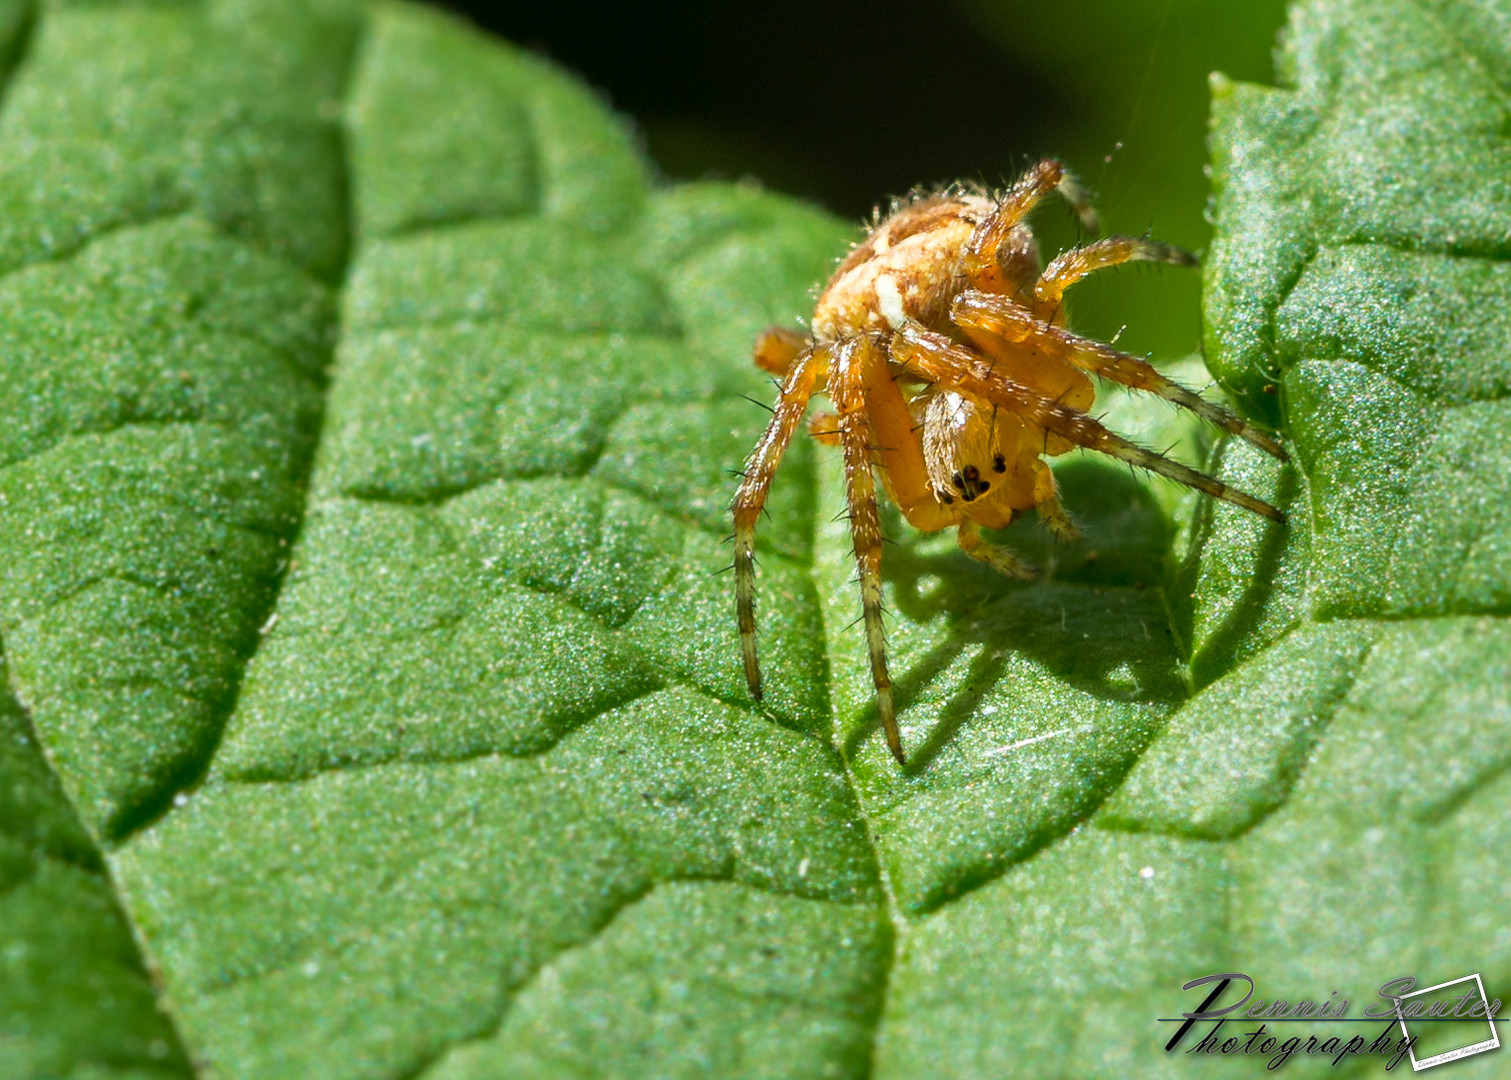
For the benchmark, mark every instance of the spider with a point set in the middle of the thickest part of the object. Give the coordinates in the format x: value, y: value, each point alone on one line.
x: 942, y: 347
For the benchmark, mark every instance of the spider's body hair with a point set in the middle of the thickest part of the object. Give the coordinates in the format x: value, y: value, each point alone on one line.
x: 907, y: 268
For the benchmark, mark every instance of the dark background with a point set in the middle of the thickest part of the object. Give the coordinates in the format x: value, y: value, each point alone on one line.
x: 846, y: 103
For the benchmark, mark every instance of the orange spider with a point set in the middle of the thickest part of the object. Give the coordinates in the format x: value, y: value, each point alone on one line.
x: 941, y: 345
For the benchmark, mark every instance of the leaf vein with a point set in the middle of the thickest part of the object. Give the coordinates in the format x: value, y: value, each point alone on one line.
x: 192, y: 778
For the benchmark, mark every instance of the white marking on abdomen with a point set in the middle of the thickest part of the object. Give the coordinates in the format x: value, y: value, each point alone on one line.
x: 889, y: 300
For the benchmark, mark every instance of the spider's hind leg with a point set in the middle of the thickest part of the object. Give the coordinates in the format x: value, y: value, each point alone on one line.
x: 980, y: 261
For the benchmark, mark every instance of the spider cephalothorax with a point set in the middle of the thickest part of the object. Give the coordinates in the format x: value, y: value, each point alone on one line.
x: 940, y: 343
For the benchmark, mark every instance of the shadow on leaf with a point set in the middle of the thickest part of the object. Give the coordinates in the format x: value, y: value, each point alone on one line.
x: 1093, y: 610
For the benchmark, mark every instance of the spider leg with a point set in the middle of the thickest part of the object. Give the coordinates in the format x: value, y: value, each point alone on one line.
x: 935, y: 358
x: 858, y: 364
x: 1071, y: 266
x: 899, y: 455
x: 984, y: 318
x: 968, y: 536
x: 980, y: 260
x: 751, y: 496
x: 777, y: 347
x: 824, y: 428
x: 1047, y: 503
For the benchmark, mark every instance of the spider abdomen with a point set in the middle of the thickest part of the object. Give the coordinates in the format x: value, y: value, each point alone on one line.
x: 909, y: 269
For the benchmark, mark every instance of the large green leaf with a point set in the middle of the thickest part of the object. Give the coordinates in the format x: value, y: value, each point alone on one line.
x: 364, y: 483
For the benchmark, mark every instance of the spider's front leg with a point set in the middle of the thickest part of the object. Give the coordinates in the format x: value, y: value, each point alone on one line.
x: 1071, y: 266
x: 937, y: 359
x: 999, y: 235
x: 803, y: 372
x: 996, y: 322
x: 968, y: 536
x: 776, y: 348
x: 858, y: 365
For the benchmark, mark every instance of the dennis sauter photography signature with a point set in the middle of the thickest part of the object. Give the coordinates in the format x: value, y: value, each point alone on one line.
x: 1427, y: 1026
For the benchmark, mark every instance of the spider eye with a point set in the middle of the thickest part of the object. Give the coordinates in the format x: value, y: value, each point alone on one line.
x: 968, y: 481
x: 999, y: 463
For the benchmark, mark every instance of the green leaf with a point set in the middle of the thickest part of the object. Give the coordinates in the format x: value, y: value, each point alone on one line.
x: 74, y: 1000
x: 364, y: 487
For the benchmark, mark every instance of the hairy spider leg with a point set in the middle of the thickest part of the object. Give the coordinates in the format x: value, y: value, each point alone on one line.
x: 898, y: 452
x: 1047, y: 503
x: 935, y: 358
x: 857, y: 364
x: 1001, y: 259
x: 988, y: 320
x: 980, y: 261
x: 749, y: 500
x: 968, y: 536
x: 1051, y: 376
x: 777, y: 347
x: 1071, y: 266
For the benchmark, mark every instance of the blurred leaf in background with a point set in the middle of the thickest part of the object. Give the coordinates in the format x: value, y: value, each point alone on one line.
x: 850, y: 102
x: 1134, y: 75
